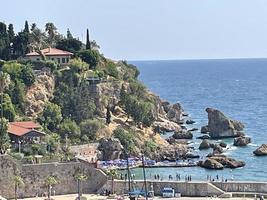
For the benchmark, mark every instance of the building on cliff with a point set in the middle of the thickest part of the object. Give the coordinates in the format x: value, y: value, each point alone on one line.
x: 25, y: 132
x: 57, y: 55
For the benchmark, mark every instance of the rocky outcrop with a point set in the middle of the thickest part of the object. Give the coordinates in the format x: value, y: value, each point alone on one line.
x: 219, y: 126
x: 165, y: 125
x: 110, y: 148
x: 210, y: 164
x: 175, y: 113
x: 217, y: 149
x: 40, y: 92
x: 242, y: 141
x: 170, y: 152
x: 204, y: 145
x: 182, y: 135
x: 261, y: 151
x: 220, y: 162
x: 190, y: 121
x: 223, y: 144
x: 203, y: 137
x: 204, y: 129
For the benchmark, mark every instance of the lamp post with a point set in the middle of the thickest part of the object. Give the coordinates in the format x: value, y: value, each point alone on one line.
x: 144, y: 174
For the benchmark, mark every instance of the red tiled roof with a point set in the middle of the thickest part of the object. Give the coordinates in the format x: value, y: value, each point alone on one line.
x: 22, y: 128
x: 51, y: 52
x: 27, y: 124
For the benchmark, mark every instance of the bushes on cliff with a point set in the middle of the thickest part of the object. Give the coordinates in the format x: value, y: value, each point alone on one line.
x: 8, y: 108
x: 126, y: 139
x: 90, y: 127
x: 51, y: 116
x: 91, y: 57
x: 4, y: 138
x: 70, y: 129
x: 111, y: 69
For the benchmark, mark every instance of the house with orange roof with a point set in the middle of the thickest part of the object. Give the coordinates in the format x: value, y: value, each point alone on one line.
x: 57, y: 55
x: 25, y: 132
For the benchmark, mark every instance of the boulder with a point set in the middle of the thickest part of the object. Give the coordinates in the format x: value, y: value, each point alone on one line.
x: 191, y: 155
x: 110, y: 148
x: 175, y: 113
x: 190, y: 121
x: 203, y: 137
x: 183, y: 135
x: 167, y: 126
x: 261, y: 151
x: 204, y: 129
x: 166, y: 106
x: 217, y: 149
x: 220, y: 126
x: 204, y: 145
x: 210, y: 164
x: 242, y: 141
x: 223, y: 144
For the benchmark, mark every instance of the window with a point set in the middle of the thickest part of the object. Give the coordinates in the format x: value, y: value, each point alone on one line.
x: 37, y: 59
x: 67, y: 60
x: 58, y: 60
x: 52, y: 58
x: 63, y: 60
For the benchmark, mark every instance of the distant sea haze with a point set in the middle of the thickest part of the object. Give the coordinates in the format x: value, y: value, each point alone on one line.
x: 237, y: 87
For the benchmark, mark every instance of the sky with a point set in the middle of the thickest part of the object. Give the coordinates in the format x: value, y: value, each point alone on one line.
x: 154, y: 29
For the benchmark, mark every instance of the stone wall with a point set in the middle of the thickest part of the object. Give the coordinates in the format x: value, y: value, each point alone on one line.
x: 34, y: 177
x: 194, y: 189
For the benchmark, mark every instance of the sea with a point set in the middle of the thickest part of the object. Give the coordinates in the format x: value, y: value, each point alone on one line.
x: 237, y: 87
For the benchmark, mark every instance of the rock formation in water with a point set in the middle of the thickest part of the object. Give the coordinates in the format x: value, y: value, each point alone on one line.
x: 261, y: 151
x: 220, y: 162
x: 204, y: 145
x: 183, y: 135
x: 220, y: 126
x: 242, y: 141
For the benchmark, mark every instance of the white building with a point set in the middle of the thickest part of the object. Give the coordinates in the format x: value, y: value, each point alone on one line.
x: 57, y: 55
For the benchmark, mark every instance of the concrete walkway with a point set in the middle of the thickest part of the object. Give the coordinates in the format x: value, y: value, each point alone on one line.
x: 97, y: 197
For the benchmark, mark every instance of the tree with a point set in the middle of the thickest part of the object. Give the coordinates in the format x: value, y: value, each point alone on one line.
x: 11, y: 33
x: 51, y: 116
x: 108, y: 116
x: 17, y: 93
x: 92, y: 57
x: 4, y: 138
x: 51, y: 29
x: 18, y: 181
x: 4, y: 42
x: 26, y: 27
x: 70, y: 128
x: 27, y: 75
x: 69, y: 35
x: 126, y: 139
x: 90, y: 127
x: 80, y: 177
x: 50, y: 181
x: 69, y: 44
x: 113, y: 174
x: 88, y: 44
x: 38, y: 40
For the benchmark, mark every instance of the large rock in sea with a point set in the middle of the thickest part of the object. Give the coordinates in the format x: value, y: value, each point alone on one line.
x: 219, y: 126
x: 210, y: 164
x: 175, y: 113
x: 183, y: 135
x: 110, y: 148
x: 261, y: 151
x: 242, y: 141
x: 204, y: 145
x: 221, y: 161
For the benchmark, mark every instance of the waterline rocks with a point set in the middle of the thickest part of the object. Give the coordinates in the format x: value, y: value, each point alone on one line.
x: 204, y: 145
x: 203, y: 137
x: 220, y: 126
x: 183, y: 135
x: 175, y: 113
x: 220, y: 162
x: 190, y: 121
x: 242, y: 141
x: 204, y: 129
x: 261, y: 151
x: 165, y: 125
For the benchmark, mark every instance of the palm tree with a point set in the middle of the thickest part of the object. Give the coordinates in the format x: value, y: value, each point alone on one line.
x: 49, y: 182
x: 80, y: 178
x: 112, y: 173
x: 18, y: 181
x: 51, y: 30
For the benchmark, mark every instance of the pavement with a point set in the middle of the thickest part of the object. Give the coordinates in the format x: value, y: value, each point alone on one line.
x: 98, y: 197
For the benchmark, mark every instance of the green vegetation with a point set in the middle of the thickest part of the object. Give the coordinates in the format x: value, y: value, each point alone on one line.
x: 75, y: 114
x: 49, y: 182
x: 18, y: 182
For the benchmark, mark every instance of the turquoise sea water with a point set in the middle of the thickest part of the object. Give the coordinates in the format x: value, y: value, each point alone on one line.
x: 238, y: 87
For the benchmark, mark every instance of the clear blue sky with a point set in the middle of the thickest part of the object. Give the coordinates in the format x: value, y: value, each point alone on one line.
x: 154, y: 29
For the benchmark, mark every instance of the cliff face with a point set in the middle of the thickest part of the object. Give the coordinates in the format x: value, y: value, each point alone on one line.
x: 40, y: 92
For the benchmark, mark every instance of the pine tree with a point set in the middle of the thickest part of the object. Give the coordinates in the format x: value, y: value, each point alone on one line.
x: 88, y: 44
x: 69, y: 35
x: 11, y: 33
x: 26, y: 27
x: 108, y: 116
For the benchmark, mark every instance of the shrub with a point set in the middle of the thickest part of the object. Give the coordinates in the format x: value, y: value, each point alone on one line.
x: 126, y: 139
x: 91, y: 57
x: 90, y: 127
x: 111, y: 69
x: 70, y: 128
x: 77, y: 65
